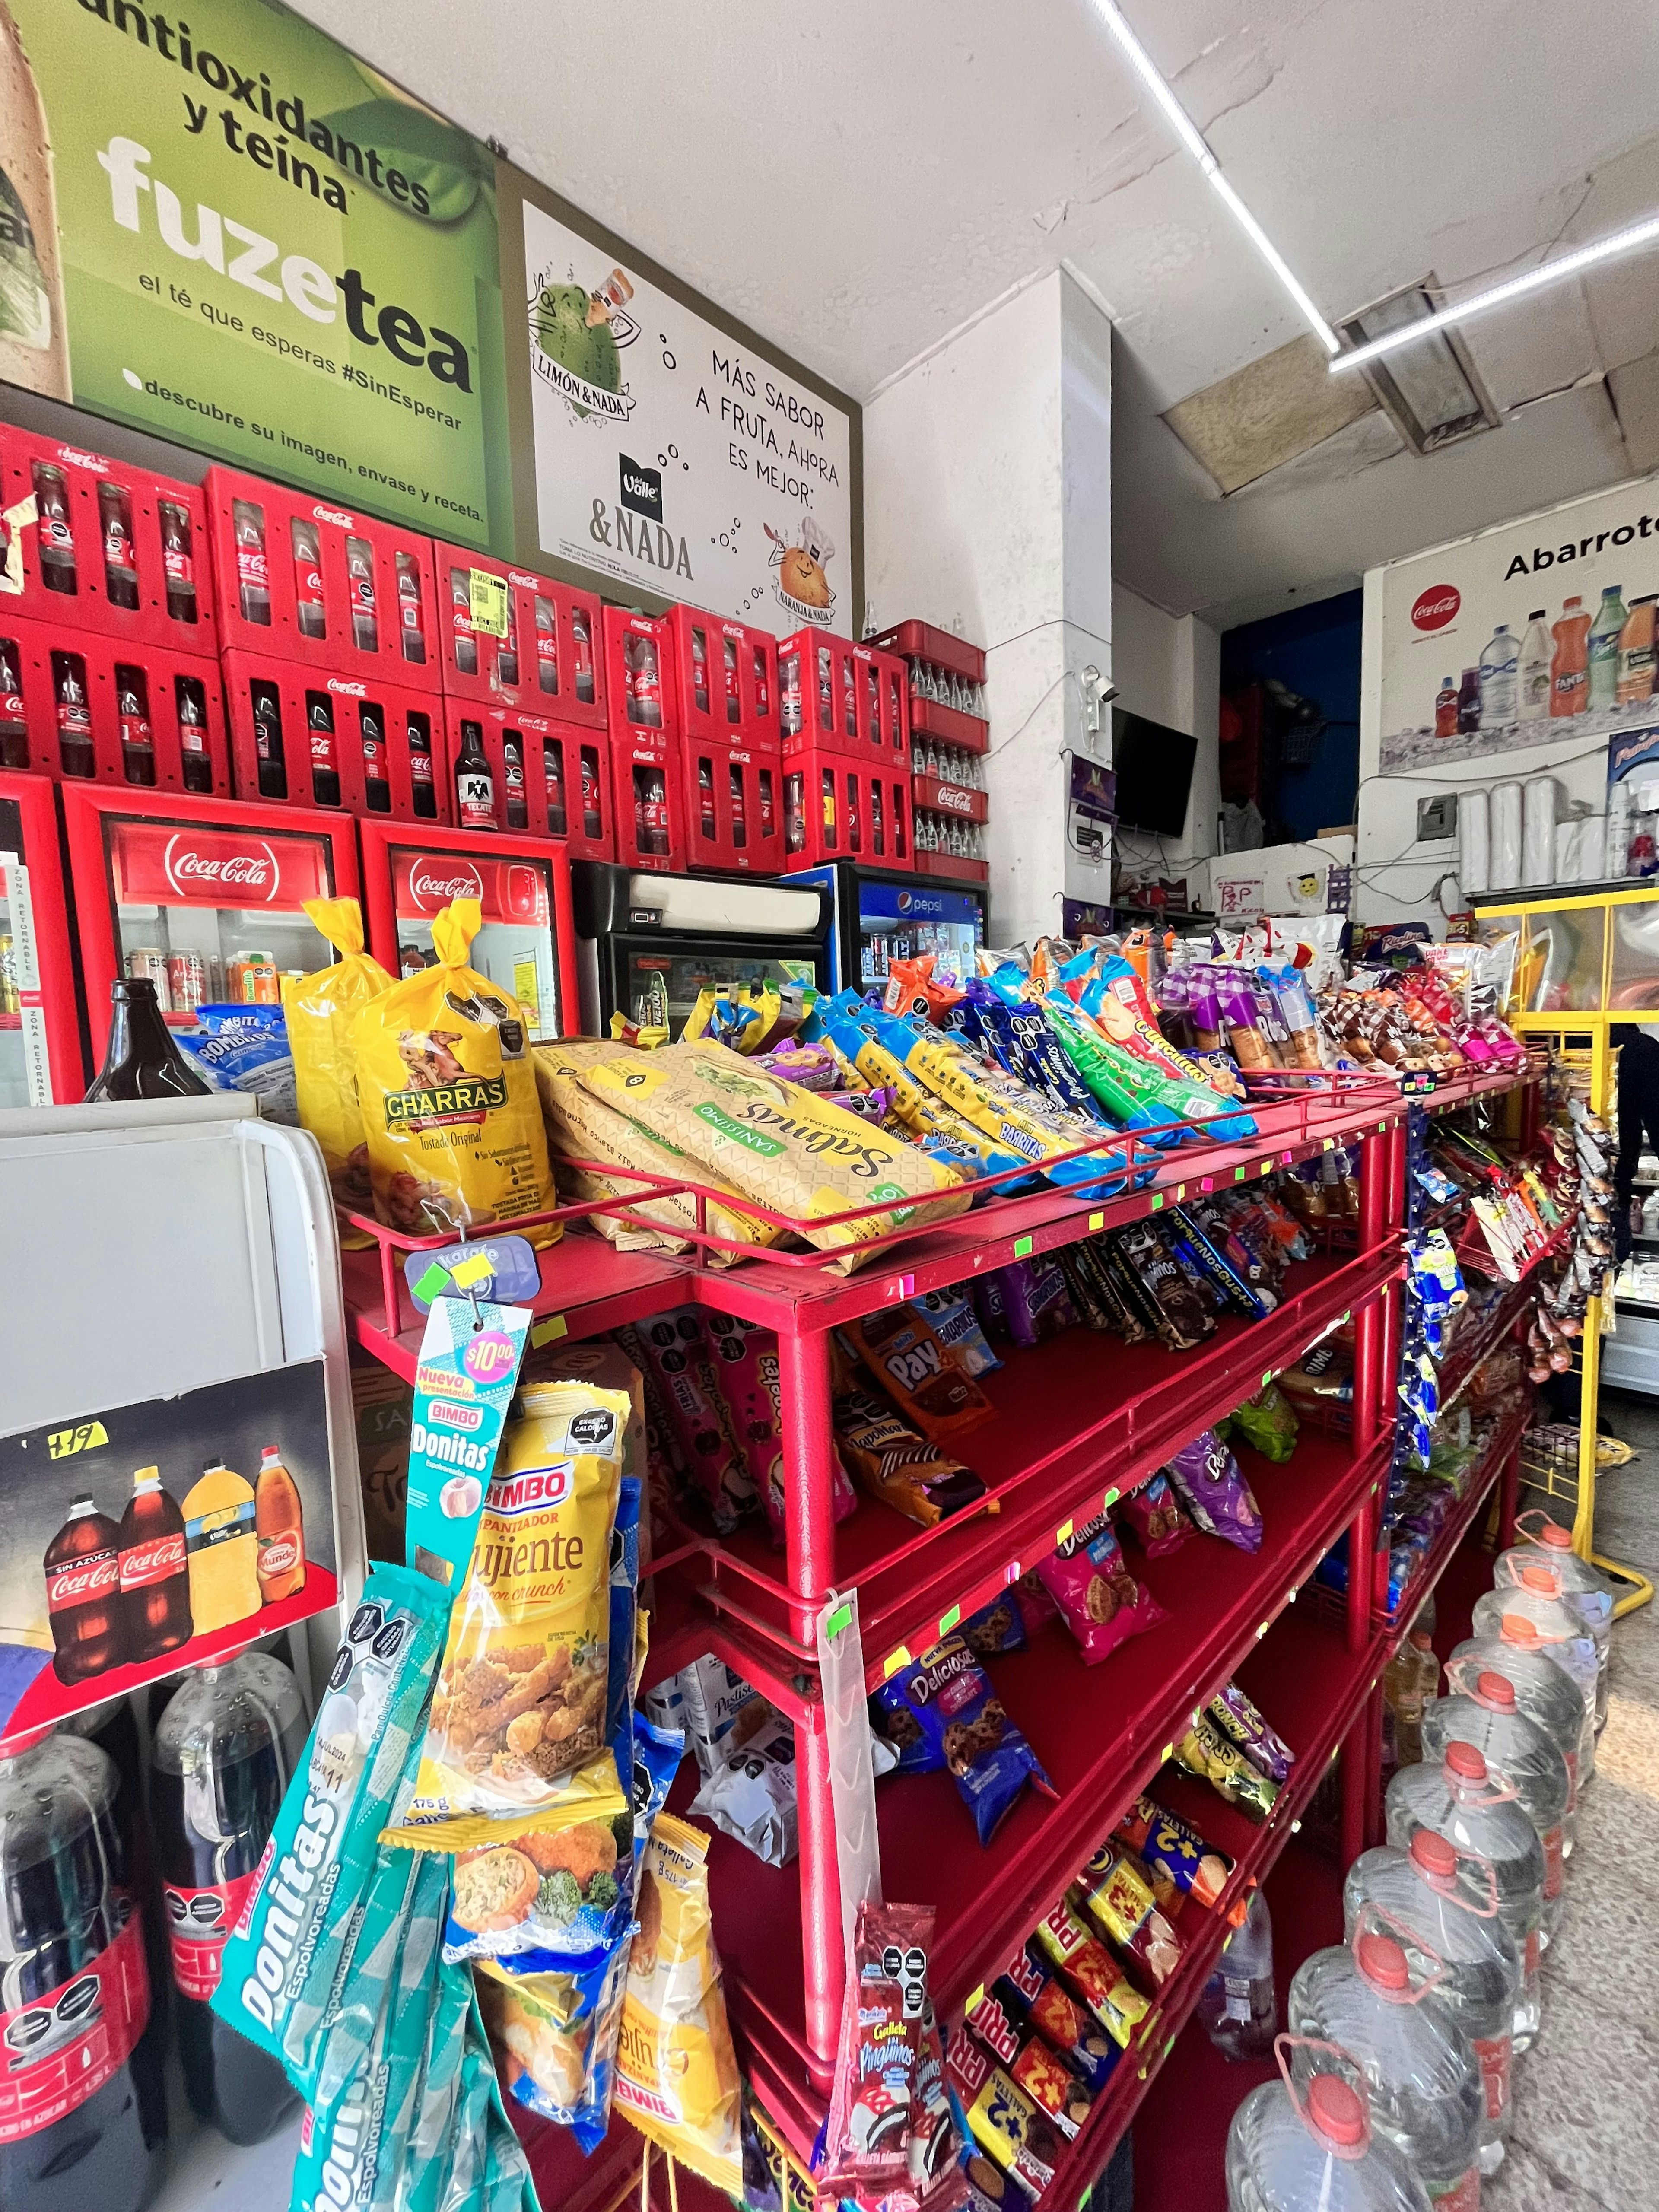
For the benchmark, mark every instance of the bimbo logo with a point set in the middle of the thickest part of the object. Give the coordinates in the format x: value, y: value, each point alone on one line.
x: 240, y: 868
x: 433, y: 884
x: 536, y: 1490
x: 1435, y: 608
x: 333, y: 515
x: 345, y: 685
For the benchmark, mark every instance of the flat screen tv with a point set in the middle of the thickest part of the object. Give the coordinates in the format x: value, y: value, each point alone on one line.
x: 1154, y: 769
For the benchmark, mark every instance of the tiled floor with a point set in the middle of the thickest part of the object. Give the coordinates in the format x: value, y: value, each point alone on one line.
x: 1587, y: 2095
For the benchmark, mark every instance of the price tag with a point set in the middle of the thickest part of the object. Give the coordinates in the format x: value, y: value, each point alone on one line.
x: 487, y: 595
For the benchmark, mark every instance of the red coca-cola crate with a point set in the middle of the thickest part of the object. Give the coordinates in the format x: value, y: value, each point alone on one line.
x: 948, y: 726
x: 649, y: 800
x: 326, y: 579
x: 561, y: 770
x: 839, y: 809
x: 725, y: 679
x: 732, y: 799
x: 936, y: 794
x: 73, y: 684
x: 111, y: 532
x: 306, y: 724
x: 842, y: 698
x: 940, y: 649
x: 550, y: 663
x: 639, y: 676
x: 952, y: 868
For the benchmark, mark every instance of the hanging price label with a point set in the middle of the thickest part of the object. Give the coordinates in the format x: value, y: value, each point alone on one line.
x: 488, y: 594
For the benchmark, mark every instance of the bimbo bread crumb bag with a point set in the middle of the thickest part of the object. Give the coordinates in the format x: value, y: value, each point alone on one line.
x: 448, y: 1096
x: 321, y: 1012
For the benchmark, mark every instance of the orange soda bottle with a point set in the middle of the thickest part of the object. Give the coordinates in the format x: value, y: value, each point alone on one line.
x: 278, y: 1529
x: 1569, y: 667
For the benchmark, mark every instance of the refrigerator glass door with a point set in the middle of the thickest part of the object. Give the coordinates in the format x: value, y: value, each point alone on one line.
x: 214, y: 915
x: 24, y: 1076
x: 513, y: 948
x: 659, y: 985
x: 901, y: 922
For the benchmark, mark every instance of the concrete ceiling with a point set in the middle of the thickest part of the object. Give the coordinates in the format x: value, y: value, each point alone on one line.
x: 857, y: 181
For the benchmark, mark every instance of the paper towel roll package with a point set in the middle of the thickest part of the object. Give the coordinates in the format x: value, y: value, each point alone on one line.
x: 1593, y: 850
x: 1566, y: 853
x: 1473, y: 843
x: 1538, y: 833
x: 1505, y: 836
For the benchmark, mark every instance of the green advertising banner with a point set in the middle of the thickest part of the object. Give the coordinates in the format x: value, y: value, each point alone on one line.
x: 267, y: 253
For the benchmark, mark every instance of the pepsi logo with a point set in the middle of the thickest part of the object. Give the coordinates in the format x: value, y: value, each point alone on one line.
x: 1435, y: 608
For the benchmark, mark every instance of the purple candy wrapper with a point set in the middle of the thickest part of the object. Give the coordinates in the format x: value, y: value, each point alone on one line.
x: 1206, y: 1479
x: 1266, y: 1750
x: 1036, y: 1302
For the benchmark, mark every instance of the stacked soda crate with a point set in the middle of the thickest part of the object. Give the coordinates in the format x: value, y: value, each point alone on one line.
x: 108, y: 639
x: 844, y: 721
x: 949, y: 739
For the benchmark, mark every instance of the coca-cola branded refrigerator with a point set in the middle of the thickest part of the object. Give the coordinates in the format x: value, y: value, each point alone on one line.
x: 204, y: 896
x: 40, y: 1058
x: 527, y: 942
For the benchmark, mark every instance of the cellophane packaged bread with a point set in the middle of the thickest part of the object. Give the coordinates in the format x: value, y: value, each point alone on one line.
x: 448, y: 1096
x: 321, y: 1012
x: 518, y: 1717
x: 678, y: 1349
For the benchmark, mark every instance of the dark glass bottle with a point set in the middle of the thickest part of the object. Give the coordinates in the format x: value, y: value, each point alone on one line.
x: 267, y: 704
x: 142, y: 1060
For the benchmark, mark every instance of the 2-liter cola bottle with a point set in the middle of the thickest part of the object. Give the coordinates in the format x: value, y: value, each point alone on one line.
x: 224, y: 1750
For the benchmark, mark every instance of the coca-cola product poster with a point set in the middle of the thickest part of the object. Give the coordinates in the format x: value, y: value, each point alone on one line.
x: 139, y: 1540
x: 1540, y: 635
x: 675, y: 453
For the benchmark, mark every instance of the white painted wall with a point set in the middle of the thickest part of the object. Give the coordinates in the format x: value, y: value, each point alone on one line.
x: 988, y: 511
x: 1168, y: 667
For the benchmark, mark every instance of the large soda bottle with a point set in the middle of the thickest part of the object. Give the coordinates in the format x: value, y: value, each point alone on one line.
x: 1610, y: 618
x: 1636, y: 654
x: 1426, y: 2095
x: 75, y: 1995
x: 1482, y: 1819
x: 1545, y: 1692
x: 1500, y: 668
x: 83, y: 1593
x: 1585, y: 1589
x: 1236, y: 2005
x: 1431, y: 1912
x: 223, y: 1753
x: 1488, y: 1717
x: 1569, y: 664
x: 1291, y: 2148
x: 154, y: 1572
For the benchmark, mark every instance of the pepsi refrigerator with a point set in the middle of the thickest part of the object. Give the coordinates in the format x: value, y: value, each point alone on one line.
x: 646, y: 945
x: 522, y: 882
x: 41, y: 1061
x: 878, y: 916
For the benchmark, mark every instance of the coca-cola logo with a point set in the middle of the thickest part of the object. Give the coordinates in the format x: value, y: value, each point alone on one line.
x: 1435, y: 608
x: 352, y: 691
x: 525, y: 583
x: 77, y: 1582
x: 433, y: 884
x: 954, y: 800
x: 77, y: 459
x: 333, y: 515
x: 249, y: 868
x: 153, y: 1563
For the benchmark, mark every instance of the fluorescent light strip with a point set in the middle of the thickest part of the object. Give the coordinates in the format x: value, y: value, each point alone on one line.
x: 1514, y: 288
x: 1193, y: 140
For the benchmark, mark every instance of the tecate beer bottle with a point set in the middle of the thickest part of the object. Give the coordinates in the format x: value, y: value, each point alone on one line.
x: 224, y: 1751
x: 377, y: 791
x: 553, y: 776
x: 190, y: 703
x: 699, y: 670
x: 547, y: 646
x: 247, y: 522
x: 266, y: 702
x: 57, y: 530
x: 412, y: 613
x: 177, y: 560
x: 360, y: 577
x: 154, y: 1575
x: 423, y: 787
x: 463, y: 641
x: 141, y: 1059
x: 120, y: 556
x: 83, y: 1593
x: 507, y: 651
x: 518, y: 810
x: 75, y: 1995
x: 324, y: 762
x: 14, y: 719
x: 137, y: 738
x: 644, y: 682
x: 592, y: 808
x: 737, y: 804
x: 68, y: 683
x: 309, y: 611
x: 475, y: 787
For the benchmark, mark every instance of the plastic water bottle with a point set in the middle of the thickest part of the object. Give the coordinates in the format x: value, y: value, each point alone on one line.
x: 1289, y: 2152
x: 1424, y: 2078
x: 1489, y: 1717
x: 1500, y: 669
x: 1546, y: 1693
x: 1586, y: 1589
x: 1482, y: 1819
x: 1237, y: 2004
x: 1431, y: 1911
x: 1538, y: 1597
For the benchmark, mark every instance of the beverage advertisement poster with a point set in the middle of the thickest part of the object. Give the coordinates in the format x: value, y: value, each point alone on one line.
x: 673, y: 454
x: 138, y: 1540
x: 1539, y: 633
x: 228, y: 231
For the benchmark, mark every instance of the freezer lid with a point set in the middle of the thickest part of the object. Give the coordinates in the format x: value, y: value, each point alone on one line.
x: 699, y: 905
x: 175, y: 864
x: 508, y: 891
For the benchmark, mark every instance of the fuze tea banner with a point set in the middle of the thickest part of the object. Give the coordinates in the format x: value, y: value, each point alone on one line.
x: 268, y: 253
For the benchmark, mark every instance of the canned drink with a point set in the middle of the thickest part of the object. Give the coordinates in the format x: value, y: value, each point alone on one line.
x: 186, y: 982
x: 149, y: 960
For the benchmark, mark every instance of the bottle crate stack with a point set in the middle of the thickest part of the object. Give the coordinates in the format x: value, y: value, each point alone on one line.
x: 950, y: 737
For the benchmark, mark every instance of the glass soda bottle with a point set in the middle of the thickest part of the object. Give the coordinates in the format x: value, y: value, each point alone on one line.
x: 547, y: 646
x: 377, y: 788
x: 1481, y: 1818
x: 266, y: 702
x: 325, y: 762
x: 733, y: 695
x: 137, y: 738
x: 1427, y: 2097
x: 558, y: 818
x: 1434, y: 1915
x: 644, y: 682
x: 1488, y: 1717
x: 75, y: 1995
x: 141, y: 1060
x: 593, y: 809
x: 518, y: 809
x: 763, y: 695
x: 423, y: 787
x: 581, y: 639
x: 225, y: 1748
x: 359, y: 579
x: 247, y: 522
x: 412, y: 610
x: 650, y: 810
x: 1291, y: 2150
x: 177, y: 560
x: 120, y: 555
x: 738, y: 803
x: 768, y: 818
x: 57, y: 530
x: 706, y: 796
x: 14, y: 716
x: 68, y: 683
x: 1545, y: 1692
x: 699, y: 670
x: 460, y: 614
x: 507, y: 649
x: 1585, y: 1589
x: 190, y: 705
x: 309, y: 611
x: 789, y: 712
x: 1237, y: 2005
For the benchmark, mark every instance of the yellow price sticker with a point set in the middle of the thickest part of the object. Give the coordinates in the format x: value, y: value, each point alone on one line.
x: 477, y: 1269
x: 549, y: 1330
x: 487, y: 601
x: 86, y: 1435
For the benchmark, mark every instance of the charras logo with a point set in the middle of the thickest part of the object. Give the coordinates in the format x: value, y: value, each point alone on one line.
x: 333, y: 515
x: 343, y: 683
x: 433, y: 884
x: 441, y: 1105
x: 249, y: 868
x: 533, y: 1490
x: 1435, y: 608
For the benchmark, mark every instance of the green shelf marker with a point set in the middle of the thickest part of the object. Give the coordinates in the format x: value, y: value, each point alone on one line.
x: 1239, y: 1174
x: 840, y: 1619
x: 1021, y: 1247
x: 1112, y: 1497
x: 947, y: 1621
x: 1169, y: 2046
x: 1157, y: 1201
x: 431, y: 1284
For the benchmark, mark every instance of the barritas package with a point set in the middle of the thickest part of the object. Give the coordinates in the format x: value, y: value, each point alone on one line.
x: 450, y: 1113
x: 321, y: 1012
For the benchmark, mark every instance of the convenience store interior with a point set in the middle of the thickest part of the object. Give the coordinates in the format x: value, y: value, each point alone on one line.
x: 1141, y: 782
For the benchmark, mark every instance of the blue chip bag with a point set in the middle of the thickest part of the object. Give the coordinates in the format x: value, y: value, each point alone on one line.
x: 964, y: 1721
x: 237, y: 1047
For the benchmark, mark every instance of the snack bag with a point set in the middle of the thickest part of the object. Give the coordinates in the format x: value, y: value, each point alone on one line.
x: 245, y: 1048
x: 321, y: 1012
x: 1156, y: 1515
x: 964, y: 1720
x: 1090, y: 1972
x: 913, y: 1366
x: 676, y: 2073
x: 448, y: 1096
x: 1206, y: 1479
x: 1176, y: 1857
x: 553, y: 2062
x: 891, y: 2128
x: 1100, y: 1600
x: 716, y: 1708
x: 950, y: 1314
x: 887, y: 1457
x: 1268, y: 1421
x: 677, y: 1347
x: 753, y: 1795
x: 1005, y: 2028
x: 1036, y: 1302
x: 1203, y: 1751
x: 1123, y: 1904
x: 1008, y: 2125
x: 1238, y: 1718
x: 740, y: 1016
x: 518, y: 1718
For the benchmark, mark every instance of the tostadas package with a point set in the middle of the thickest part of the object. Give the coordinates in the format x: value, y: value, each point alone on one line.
x: 676, y: 2073
x: 519, y: 1714
x: 448, y: 1096
x: 321, y: 1011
